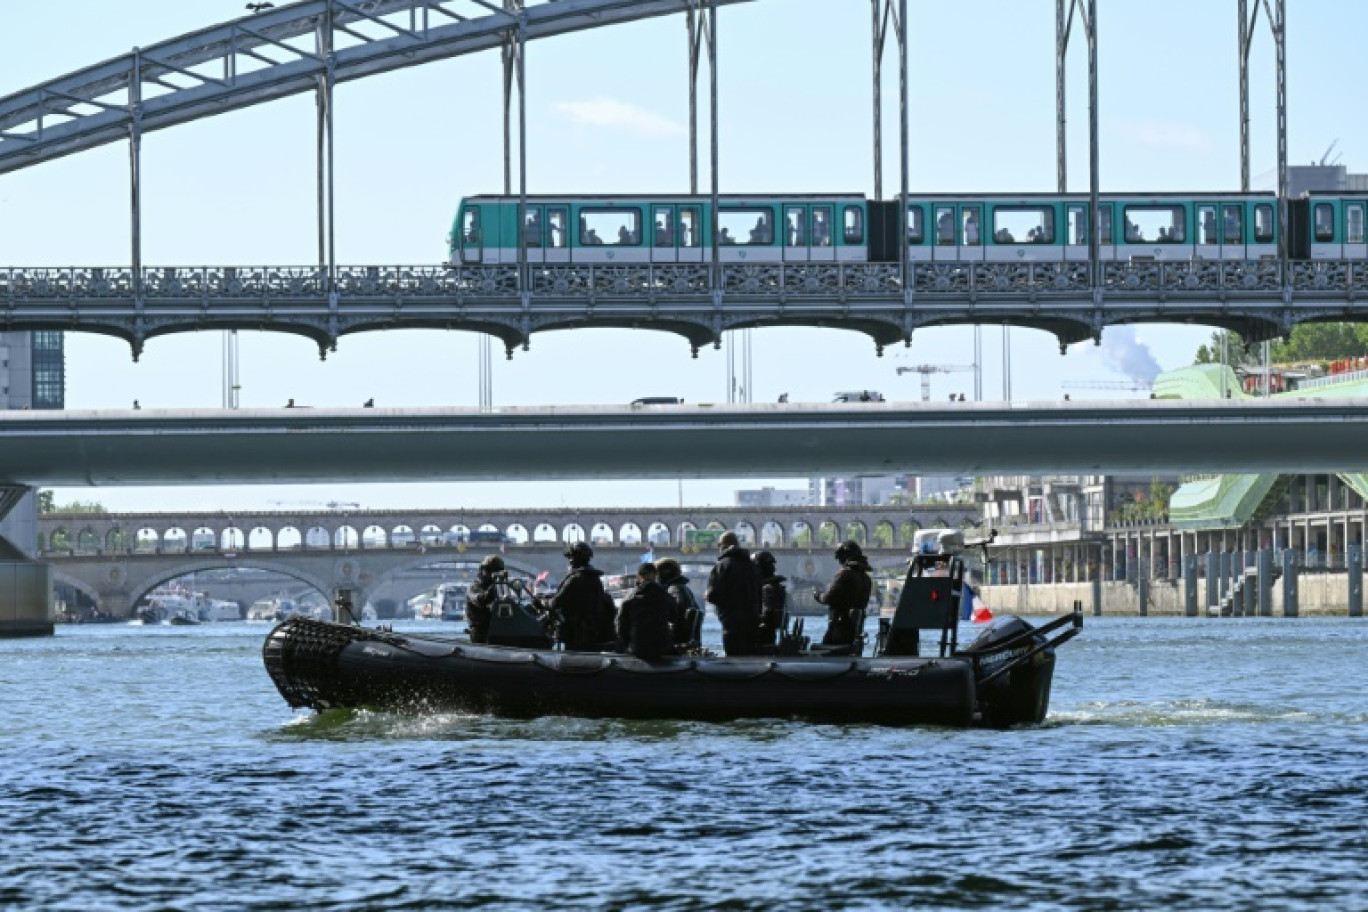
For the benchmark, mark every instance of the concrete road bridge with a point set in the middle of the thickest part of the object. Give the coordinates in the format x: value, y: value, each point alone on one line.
x: 115, y: 559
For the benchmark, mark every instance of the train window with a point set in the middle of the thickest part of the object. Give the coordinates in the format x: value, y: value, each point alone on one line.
x: 854, y: 225
x: 795, y: 226
x: 1353, y: 223
x: 1232, y: 218
x: 688, y: 226
x: 1104, y: 225
x: 1078, y: 226
x: 969, y: 226
x: 745, y: 227
x: 821, y: 226
x: 664, y: 227
x: 556, y: 220
x: 1206, y: 225
x: 610, y: 227
x: 470, y: 227
x: 1325, y: 222
x: 916, y: 229
x: 1263, y: 223
x: 945, y: 226
x: 532, y: 226
x: 1155, y: 225
x: 1023, y: 225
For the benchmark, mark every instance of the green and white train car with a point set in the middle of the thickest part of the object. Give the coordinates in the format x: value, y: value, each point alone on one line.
x: 1328, y: 226
x: 662, y: 229
x: 1054, y: 228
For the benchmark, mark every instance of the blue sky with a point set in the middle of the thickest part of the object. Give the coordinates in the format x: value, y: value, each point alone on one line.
x: 607, y: 111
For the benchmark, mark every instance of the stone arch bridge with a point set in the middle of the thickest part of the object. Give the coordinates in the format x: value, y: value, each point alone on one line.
x: 117, y: 558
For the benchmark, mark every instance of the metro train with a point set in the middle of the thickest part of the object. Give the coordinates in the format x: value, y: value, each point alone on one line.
x: 848, y: 228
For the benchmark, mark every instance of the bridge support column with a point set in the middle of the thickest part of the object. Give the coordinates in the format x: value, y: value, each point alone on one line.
x: 1354, y: 564
x: 1213, y: 579
x: 1289, y: 582
x: 1189, y: 585
x: 25, y: 584
x: 1097, y: 595
x: 1265, y: 565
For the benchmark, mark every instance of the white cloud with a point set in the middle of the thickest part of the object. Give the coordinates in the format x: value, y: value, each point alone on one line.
x: 1169, y: 136
x: 614, y: 114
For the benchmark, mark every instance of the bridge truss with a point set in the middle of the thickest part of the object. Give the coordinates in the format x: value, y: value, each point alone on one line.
x: 310, y: 46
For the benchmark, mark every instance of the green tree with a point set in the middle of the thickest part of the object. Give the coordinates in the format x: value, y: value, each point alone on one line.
x: 45, y: 501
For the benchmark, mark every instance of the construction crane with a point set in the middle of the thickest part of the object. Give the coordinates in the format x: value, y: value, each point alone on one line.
x: 926, y: 370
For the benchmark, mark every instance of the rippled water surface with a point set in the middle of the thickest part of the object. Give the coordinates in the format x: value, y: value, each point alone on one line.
x: 1189, y: 764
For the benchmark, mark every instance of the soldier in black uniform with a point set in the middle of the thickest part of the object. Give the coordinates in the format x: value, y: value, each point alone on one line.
x: 671, y: 576
x: 773, y: 599
x: 643, y: 621
x: 481, y: 595
x: 734, y: 588
x: 579, y: 600
x: 847, y: 595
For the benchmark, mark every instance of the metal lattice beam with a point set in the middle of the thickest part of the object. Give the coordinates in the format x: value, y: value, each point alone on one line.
x: 274, y: 54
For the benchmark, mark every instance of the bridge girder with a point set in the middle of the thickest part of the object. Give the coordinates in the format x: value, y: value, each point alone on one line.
x: 102, y: 103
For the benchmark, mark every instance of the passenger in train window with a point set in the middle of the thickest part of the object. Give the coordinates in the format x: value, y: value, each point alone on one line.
x: 1133, y: 233
x: 1208, y: 226
x: 971, y: 229
x: 821, y: 229
x: 1003, y: 236
x: 555, y: 228
x: 761, y: 234
x: 945, y: 228
x: 532, y: 229
x: 592, y: 238
x: 797, y: 237
x: 1232, y: 225
x: 725, y: 237
x: 664, y: 235
x: 625, y: 236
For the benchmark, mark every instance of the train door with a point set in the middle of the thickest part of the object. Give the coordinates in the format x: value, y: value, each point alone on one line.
x: 795, y: 229
x: 945, y: 249
x: 917, y: 249
x: 1263, y: 232
x: 663, y: 234
x: 1233, y: 232
x: 854, y: 246
x: 1075, y: 232
x: 1106, y: 240
x: 1207, y: 243
x: 822, y: 235
x: 557, y: 236
x: 1355, y: 247
x: 971, y: 234
x: 1323, y: 236
x: 689, y: 235
x: 472, y: 237
x: 532, y: 231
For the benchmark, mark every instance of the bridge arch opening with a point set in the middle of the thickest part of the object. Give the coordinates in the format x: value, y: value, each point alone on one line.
x: 745, y: 533
x: 573, y: 533
x: 458, y: 533
x: 659, y: 534
x: 772, y: 535
x: 260, y: 539
x: 374, y: 536
x: 430, y: 535
x: 908, y: 531
x: 545, y: 532
x: 232, y: 539
x: 601, y: 534
x: 317, y: 537
x: 146, y: 541
x: 59, y: 539
x: 516, y: 534
x: 175, y: 541
x: 800, y: 533
x: 346, y: 537
x: 855, y: 531
x: 828, y: 534
x: 885, y: 536
x: 629, y: 533
x: 87, y: 541
x: 402, y: 536
x: 289, y: 538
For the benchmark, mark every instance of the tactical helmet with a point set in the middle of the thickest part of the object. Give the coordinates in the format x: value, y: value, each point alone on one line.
x: 848, y: 549
x: 764, y: 560
x: 668, y: 568
x: 579, y: 552
x: 491, y: 565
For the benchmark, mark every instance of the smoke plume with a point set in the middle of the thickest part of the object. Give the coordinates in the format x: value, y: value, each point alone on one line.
x: 1124, y: 353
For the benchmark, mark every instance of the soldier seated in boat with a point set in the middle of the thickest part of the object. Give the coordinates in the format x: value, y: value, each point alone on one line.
x: 687, y: 616
x: 773, y: 600
x: 643, y: 621
x: 846, y: 598
x: 579, y: 601
x: 481, y: 595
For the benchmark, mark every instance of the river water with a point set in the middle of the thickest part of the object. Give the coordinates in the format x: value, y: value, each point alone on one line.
x: 1187, y: 763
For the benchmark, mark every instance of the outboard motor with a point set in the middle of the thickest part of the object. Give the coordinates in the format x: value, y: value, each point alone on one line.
x: 1014, y: 667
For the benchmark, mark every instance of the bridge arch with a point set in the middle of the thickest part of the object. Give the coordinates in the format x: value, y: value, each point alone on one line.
x: 374, y: 536
x: 545, y: 533
x: 289, y: 538
x: 175, y: 541
x: 629, y: 533
x: 517, y: 534
x: 659, y: 534
x: 601, y: 534
x: 260, y: 539
x: 141, y: 585
x: 772, y: 534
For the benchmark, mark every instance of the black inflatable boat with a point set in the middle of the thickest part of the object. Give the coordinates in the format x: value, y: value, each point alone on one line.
x: 1002, y: 678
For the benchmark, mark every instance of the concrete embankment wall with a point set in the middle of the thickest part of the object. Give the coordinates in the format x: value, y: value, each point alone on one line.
x: 25, y: 599
x: 1323, y: 594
